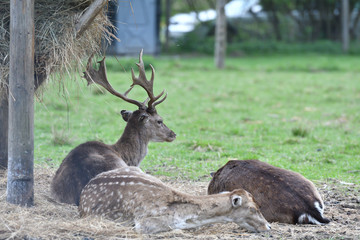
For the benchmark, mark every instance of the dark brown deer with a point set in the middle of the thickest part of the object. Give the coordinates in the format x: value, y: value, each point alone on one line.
x: 282, y: 195
x: 91, y: 158
x: 130, y: 196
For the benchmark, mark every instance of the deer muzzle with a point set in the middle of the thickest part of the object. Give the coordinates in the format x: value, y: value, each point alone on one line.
x: 171, y: 136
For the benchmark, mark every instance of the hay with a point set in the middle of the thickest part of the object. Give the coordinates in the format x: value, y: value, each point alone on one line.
x: 51, y: 220
x: 57, y: 49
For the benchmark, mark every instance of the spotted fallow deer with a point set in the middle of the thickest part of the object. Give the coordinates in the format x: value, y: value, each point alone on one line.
x: 282, y: 195
x: 91, y: 158
x: 131, y: 196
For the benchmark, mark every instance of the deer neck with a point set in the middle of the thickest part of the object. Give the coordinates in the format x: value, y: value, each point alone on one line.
x: 201, y: 210
x: 132, y: 146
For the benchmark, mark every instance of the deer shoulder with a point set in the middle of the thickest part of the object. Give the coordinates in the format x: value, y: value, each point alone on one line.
x: 129, y: 195
x: 282, y: 195
x: 91, y: 158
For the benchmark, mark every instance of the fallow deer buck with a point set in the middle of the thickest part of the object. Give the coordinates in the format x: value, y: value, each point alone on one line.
x: 91, y: 158
x: 132, y: 197
x: 282, y: 195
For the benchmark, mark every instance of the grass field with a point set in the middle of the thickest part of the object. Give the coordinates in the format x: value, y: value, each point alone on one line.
x: 296, y: 112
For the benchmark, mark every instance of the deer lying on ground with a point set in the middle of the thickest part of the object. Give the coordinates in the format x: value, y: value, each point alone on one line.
x: 91, y: 158
x: 129, y: 195
x: 282, y: 195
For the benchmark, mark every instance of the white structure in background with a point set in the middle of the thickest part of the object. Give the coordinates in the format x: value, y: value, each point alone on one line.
x: 185, y: 22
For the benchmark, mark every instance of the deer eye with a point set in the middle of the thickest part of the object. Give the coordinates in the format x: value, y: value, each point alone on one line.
x: 160, y: 122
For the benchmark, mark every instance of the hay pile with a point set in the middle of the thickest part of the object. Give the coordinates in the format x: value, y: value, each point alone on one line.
x: 57, y: 48
x: 51, y: 220
x: 48, y: 219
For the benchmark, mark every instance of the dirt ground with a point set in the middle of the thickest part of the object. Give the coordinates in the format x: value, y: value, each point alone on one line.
x: 51, y: 220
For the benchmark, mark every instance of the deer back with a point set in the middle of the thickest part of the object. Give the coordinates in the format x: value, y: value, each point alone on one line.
x: 79, y: 166
x: 282, y: 195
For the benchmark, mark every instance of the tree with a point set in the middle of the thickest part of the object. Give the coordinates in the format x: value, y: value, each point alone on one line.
x: 345, y: 25
x: 220, y: 34
x: 167, y: 20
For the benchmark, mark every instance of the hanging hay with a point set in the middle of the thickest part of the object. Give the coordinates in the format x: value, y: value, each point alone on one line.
x: 57, y: 48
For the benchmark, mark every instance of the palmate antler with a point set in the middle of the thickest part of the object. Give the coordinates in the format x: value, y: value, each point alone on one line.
x: 99, y: 77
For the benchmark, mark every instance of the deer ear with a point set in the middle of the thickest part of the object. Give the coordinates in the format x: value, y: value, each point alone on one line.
x: 143, y: 117
x: 126, y: 115
x: 236, y: 200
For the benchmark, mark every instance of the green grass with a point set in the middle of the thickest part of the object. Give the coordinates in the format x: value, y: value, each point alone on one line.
x: 296, y: 112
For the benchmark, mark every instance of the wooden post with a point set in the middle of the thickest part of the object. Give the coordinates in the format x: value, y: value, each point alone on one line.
x: 345, y: 25
x: 220, y: 34
x: 4, y: 119
x: 20, y: 180
x: 88, y: 17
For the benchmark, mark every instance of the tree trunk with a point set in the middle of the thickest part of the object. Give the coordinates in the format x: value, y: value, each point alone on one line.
x: 275, y: 21
x: 220, y: 34
x: 353, y: 29
x: 345, y: 25
x: 167, y: 19
x: 20, y: 180
x: 298, y: 21
x: 313, y: 23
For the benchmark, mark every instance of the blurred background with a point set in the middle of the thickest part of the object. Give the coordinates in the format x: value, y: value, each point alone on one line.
x: 252, y: 26
x: 272, y: 80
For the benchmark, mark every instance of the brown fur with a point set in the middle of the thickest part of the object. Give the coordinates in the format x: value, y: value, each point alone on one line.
x: 91, y: 158
x: 282, y: 195
x: 129, y: 195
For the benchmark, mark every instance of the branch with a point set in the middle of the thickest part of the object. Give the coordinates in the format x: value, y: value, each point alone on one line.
x: 87, y: 18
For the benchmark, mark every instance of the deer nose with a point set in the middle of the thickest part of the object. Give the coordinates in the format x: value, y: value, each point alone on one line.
x: 171, y: 137
x: 172, y: 134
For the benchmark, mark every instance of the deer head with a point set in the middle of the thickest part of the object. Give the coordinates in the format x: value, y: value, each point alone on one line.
x: 146, y: 116
x: 245, y: 212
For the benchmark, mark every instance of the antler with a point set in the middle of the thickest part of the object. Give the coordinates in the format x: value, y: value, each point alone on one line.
x: 99, y: 76
x: 147, y: 84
